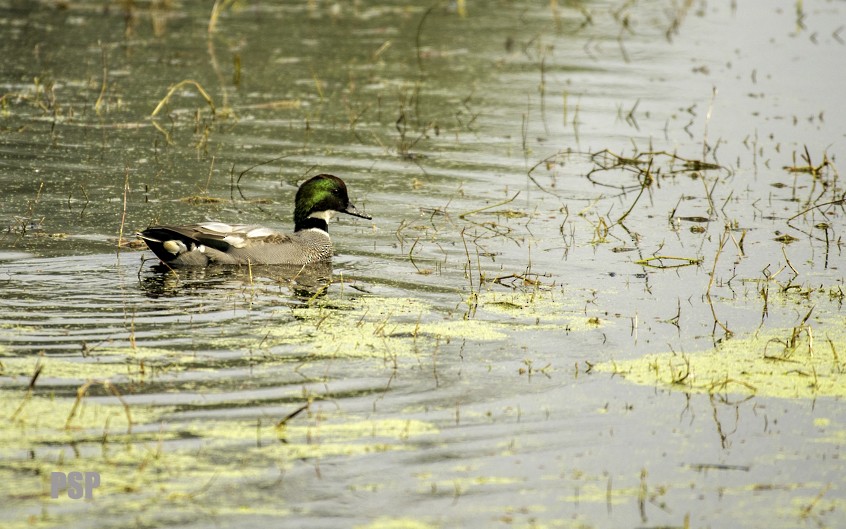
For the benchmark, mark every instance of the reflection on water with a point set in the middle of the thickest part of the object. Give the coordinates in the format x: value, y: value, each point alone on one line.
x: 304, y: 283
x: 570, y: 199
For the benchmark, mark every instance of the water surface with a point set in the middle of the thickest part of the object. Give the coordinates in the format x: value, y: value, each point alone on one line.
x: 497, y: 347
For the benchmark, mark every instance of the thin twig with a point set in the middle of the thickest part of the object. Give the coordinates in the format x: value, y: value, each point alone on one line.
x: 179, y: 85
x: 723, y: 241
x: 123, y: 215
x: 506, y: 201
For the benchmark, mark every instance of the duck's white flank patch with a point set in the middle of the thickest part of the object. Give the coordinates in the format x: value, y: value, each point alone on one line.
x: 325, y: 215
x: 236, y: 239
x: 174, y: 246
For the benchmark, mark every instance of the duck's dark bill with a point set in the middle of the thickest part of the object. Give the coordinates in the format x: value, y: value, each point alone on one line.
x: 351, y: 210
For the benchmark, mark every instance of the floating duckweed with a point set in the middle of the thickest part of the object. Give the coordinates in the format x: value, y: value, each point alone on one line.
x: 146, y: 353
x: 796, y: 363
x: 464, y: 484
x: 77, y: 368
x: 802, y: 506
x: 393, y: 328
x: 107, y: 363
x: 518, y: 302
x: 350, y: 430
x: 372, y: 305
x: 395, y: 428
x: 374, y: 328
x: 837, y: 437
x: 539, y: 309
x: 338, y: 335
x: 471, y: 329
x: 396, y: 523
x: 600, y: 493
x: 253, y: 509
x: 36, y: 419
x: 175, y: 461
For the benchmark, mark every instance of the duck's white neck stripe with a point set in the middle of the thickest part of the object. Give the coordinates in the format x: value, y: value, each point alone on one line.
x: 322, y: 215
x: 316, y: 230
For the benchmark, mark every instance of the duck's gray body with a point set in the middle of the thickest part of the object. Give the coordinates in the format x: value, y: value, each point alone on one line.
x: 218, y: 243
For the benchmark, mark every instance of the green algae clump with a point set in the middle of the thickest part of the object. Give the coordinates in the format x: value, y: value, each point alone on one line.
x: 373, y: 327
x: 794, y: 363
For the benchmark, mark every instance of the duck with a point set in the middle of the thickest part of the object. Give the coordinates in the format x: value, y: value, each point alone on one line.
x: 212, y: 243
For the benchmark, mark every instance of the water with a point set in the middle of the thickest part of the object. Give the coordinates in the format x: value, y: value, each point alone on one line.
x: 491, y: 350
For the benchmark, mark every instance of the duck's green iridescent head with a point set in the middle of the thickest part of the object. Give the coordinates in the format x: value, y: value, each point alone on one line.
x: 317, y: 197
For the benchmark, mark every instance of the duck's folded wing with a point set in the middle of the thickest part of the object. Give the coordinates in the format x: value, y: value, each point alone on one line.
x: 222, y: 236
x: 178, y: 243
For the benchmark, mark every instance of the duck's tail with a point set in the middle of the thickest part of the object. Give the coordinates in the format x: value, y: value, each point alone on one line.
x: 174, y: 246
